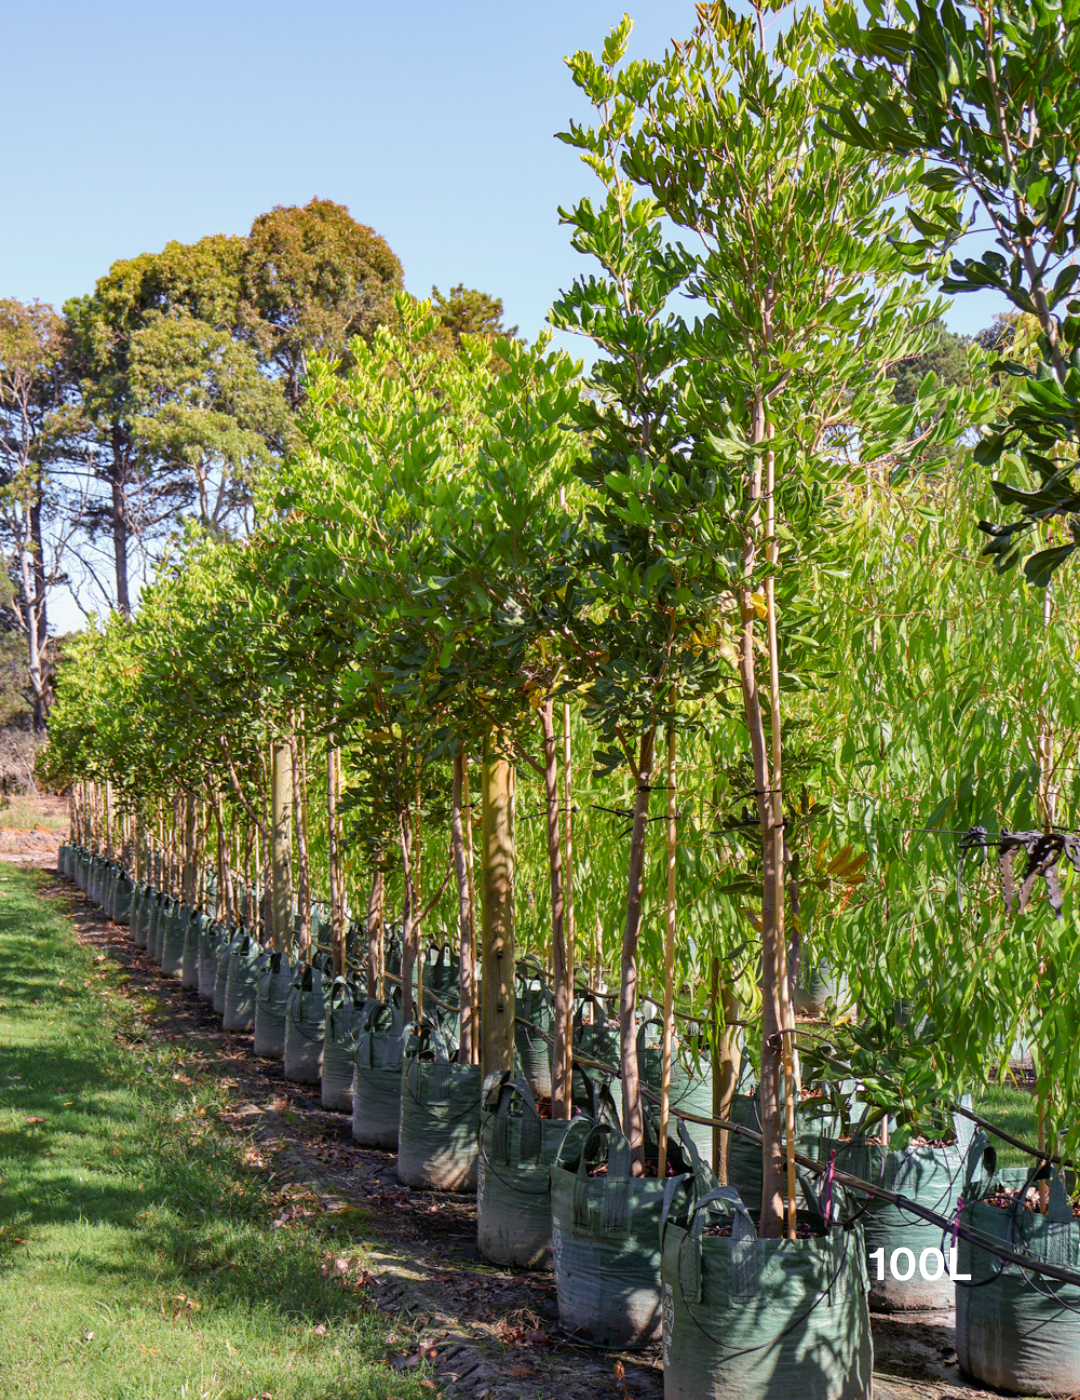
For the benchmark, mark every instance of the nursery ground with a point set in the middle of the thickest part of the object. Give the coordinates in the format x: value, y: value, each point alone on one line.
x: 178, y: 1220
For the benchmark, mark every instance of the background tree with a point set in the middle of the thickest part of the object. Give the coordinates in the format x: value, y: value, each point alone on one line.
x: 312, y: 279
x: 37, y: 421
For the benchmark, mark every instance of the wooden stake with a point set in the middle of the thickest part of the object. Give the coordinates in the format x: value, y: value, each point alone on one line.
x: 281, y: 803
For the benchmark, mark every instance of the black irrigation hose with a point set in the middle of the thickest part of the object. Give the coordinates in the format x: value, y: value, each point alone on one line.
x: 764, y: 1346
x: 853, y: 1183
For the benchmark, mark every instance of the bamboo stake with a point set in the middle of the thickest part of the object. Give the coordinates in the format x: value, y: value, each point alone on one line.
x: 333, y: 780
x: 568, y: 886
x: 669, y: 956
x: 473, y: 1008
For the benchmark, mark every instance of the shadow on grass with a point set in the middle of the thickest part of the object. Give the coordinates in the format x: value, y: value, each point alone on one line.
x: 122, y: 1145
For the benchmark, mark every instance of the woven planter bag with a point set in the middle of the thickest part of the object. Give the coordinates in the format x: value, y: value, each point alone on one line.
x: 138, y: 896
x: 932, y: 1177
x: 691, y: 1087
x: 238, y: 1013
x: 1016, y: 1330
x: 189, y: 970
x: 305, y: 1026
x: 210, y: 935
x: 173, y: 940
x: 605, y: 1243
x: 233, y: 939
x: 344, y: 1012
x: 758, y: 1319
x: 817, y: 985
x: 440, y: 1115
x: 141, y: 928
x: 535, y: 1013
x: 513, y: 1177
x: 376, y: 1110
x: 162, y: 916
x: 271, y: 999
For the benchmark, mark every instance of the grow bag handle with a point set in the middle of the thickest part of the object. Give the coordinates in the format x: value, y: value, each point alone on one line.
x: 585, y: 997
x: 530, y: 1121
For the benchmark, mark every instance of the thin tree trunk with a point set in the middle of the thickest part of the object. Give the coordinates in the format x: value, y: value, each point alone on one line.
x: 408, y: 947
x: 120, y: 528
x: 472, y: 1010
x: 497, y: 970
x: 633, y: 1117
x: 568, y: 889
x: 282, y: 818
x: 669, y: 956
x: 561, y: 1072
x: 465, y: 921
x: 337, y: 910
x: 189, y: 874
x: 374, y: 933
x: 772, y: 1198
x: 298, y: 756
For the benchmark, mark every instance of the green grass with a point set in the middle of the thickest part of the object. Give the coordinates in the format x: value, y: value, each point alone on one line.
x: 137, y: 1258
x: 1013, y: 1111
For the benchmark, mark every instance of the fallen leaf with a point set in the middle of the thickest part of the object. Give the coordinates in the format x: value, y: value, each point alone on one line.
x: 537, y: 1336
x: 320, y: 1331
x: 619, y: 1370
x: 35, y: 1120
x: 89, y: 1337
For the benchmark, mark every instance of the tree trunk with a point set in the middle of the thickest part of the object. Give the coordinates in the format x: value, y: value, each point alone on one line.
x: 408, y: 946
x: 727, y: 1062
x: 282, y: 818
x: 497, y: 971
x: 120, y: 528
x: 298, y: 756
x: 337, y: 900
x: 633, y: 1118
x: 669, y: 956
x: 465, y: 915
x: 374, y: 933
x: 189, y: 872
x: 561, y: 1061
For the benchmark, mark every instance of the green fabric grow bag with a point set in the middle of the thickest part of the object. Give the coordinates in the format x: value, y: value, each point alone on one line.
x: 376, y: 1107
x: 605, y: 1244
x: 440, y: 1116
x: 173, y: 940
x: 271, y: 999
x: 62, y: 859
x: 814, y: 1137
x: 598, y: 1040
x: 141, y: 929
x: 513, y: 1176
x: 162, y: 915
x: 138, y: 896
x: 93, y: 886
x: 535, y: 1006
x: 123, y: 895
x: 1017, y: 1330
x: 932, y: 1177
x: 233, y: 939
x: 761, y: 1319
x: 238, y: 1013
x: 108, y: 893
x: 305, y: 1026
x: 189, y: 967
x: 210, y: 934
x: 83, y: 870
x: 691, y: 1089
x: 344, y: 1010
x: 818, y: 984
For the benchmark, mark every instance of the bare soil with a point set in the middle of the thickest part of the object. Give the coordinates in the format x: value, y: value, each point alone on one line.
x: 491, y: 1334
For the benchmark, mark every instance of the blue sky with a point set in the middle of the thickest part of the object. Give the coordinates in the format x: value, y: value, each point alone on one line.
x: 132, y: 124
x: 128, y: 125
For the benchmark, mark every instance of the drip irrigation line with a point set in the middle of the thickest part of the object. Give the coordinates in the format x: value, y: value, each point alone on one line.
x: 1016, y: 1142
x: 856, y: 1185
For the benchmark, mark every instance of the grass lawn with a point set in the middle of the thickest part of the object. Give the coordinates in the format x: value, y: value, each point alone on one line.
x: 137, y: 1258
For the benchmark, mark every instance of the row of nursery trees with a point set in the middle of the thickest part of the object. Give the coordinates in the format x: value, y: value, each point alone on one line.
x: 692, y: 660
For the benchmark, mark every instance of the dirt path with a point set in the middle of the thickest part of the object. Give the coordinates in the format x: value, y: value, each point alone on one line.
x: 491, y: 1334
